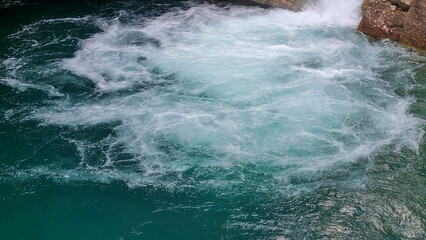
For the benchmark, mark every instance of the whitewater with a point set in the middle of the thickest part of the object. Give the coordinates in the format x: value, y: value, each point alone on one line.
x: 235, y: 102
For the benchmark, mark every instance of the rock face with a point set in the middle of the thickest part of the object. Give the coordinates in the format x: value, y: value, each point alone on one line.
x: 398, y: 20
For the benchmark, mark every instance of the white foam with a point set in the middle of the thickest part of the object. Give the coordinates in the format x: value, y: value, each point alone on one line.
x: 221, y: 89
x: 50, y: 90
x: 12, y: 66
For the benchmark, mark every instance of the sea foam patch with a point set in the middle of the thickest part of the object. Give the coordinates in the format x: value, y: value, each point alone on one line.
x: 255, y: 122
x: 217, y: 95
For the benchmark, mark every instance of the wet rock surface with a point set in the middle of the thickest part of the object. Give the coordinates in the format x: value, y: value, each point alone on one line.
x: 398, y: 20
x: 295, y: 5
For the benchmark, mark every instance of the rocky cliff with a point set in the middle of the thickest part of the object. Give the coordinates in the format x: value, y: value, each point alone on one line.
x: 398, y: 20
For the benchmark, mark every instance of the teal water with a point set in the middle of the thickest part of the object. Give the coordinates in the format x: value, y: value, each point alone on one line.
x: 184, y: 120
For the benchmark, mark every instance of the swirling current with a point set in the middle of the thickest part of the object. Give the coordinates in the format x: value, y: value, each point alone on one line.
x: 188, y: 120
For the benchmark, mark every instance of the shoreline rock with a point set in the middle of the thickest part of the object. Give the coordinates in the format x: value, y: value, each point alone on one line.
x: 399, y: 20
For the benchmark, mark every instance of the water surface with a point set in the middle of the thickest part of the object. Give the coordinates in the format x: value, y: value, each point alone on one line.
x: 185, y: 120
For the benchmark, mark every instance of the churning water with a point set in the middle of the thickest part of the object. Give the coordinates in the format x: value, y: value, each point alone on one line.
x: 241, y: 122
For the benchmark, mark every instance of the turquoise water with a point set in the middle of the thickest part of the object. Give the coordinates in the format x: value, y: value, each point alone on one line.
x: 184, y: 120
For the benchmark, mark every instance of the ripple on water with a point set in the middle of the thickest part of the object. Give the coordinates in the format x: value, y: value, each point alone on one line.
x: 213, y: 92
x: 267, y: 109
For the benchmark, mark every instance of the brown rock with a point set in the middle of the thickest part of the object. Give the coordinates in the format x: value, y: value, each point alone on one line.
x: 398, y: 20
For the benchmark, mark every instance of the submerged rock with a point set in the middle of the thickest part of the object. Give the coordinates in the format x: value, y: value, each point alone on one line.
x: 295, y: 5
x: 398, y: 20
